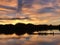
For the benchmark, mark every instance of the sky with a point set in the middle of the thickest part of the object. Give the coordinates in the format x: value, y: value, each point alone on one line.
x: 30, y: 11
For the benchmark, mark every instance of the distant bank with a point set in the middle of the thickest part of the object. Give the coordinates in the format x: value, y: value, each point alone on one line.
x: 21, y: 28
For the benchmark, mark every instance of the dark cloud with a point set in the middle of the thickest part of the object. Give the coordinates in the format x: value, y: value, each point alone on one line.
x: 46, y: 10
x: 16, y: 18
x: 7, y: 7
x: 46, y: 1
x: 28, y: 3
x: 19, y: 7
x: 57, y: 7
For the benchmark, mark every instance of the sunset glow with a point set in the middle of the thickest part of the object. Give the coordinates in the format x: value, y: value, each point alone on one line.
x: 31, y: 11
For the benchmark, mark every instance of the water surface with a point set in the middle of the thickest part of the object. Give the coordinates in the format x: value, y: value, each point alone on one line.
x: 27, y: 39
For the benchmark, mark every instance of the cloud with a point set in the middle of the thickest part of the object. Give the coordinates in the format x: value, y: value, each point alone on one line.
x: 46, y: 10
x: 19, y: 5
x: 44, y: 2
x: 30, y: 11
x: 28, y: 3
x: 7, y: 7
x: 12, y: 3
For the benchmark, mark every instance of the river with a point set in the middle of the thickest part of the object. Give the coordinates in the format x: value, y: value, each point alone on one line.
x: 27, y: 39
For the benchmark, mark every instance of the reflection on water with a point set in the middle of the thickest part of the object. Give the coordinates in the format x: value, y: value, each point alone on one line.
x: 50, y: 31
x: 29, y: 39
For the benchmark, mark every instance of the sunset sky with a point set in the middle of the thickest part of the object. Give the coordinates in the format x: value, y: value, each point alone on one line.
x: 30, y: 11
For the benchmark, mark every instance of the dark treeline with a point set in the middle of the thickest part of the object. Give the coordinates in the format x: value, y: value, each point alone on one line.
x: 21, y: 28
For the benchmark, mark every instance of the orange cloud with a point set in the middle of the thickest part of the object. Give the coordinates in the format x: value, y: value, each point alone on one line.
x: 8, y: 3
x: 31, y: 15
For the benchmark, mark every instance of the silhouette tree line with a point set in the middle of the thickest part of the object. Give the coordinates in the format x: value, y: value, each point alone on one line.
x: 21, y: 28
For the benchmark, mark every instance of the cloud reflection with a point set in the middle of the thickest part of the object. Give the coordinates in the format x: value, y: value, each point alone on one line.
x: 30, y: 40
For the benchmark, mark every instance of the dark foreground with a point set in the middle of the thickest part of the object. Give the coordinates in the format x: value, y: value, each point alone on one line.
x: 21, y: 28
